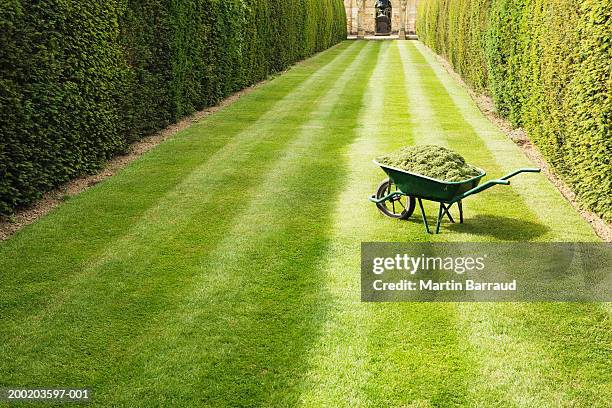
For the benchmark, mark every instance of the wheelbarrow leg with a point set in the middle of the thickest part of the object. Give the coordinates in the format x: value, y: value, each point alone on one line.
x: 442, y: 211
x: 446, y: 211
x: 460, y: 205
x: 440, y: 215
x: 424, y: 217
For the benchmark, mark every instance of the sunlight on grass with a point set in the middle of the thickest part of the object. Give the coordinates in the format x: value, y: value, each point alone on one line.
x: 222, y: 268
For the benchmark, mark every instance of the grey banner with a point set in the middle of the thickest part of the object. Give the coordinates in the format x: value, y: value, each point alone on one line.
x: 486, y: 272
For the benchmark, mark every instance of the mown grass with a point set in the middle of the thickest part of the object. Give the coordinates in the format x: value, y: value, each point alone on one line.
x: 222, y: 268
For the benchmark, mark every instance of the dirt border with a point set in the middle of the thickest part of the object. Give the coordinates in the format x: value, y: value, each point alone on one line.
x: 55, y: 197
x: 521, y: 139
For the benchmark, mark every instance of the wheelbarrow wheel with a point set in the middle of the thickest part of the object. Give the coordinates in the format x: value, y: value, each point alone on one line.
x: 400, y: 207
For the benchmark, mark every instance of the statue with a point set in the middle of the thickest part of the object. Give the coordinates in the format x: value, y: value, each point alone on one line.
x: 382, y: 4
x: 383, y: 17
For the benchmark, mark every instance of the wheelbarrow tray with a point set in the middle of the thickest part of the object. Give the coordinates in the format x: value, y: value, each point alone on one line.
x: 420, y: 186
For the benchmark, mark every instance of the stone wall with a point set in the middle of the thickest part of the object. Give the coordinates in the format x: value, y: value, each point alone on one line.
x: 352, y: 16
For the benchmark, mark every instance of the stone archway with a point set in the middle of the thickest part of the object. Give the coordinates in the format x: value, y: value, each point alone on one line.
x: 361, y: 17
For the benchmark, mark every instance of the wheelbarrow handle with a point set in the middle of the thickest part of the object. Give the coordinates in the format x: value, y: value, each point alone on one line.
x: 373, y: 198
x: 519, y: 171
x: 480, y: 188
x: 491, y: 183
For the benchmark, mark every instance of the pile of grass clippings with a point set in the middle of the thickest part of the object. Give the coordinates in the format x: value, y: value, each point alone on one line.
x: 432, y: 161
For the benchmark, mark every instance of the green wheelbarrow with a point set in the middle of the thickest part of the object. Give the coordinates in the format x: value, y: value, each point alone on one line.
x: 396, y: 196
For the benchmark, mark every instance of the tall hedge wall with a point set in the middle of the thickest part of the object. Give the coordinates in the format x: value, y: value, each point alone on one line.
x: 547, y: 65
x: 79, y: 80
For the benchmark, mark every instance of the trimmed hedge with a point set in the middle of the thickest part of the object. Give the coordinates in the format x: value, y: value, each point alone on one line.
x: 81, y: 80
x: 547, y: 65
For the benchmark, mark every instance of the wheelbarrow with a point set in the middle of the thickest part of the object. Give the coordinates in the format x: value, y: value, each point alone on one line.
x: 396, y: 196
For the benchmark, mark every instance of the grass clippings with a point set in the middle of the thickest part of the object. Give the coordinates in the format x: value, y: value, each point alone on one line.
x: 432, y: 161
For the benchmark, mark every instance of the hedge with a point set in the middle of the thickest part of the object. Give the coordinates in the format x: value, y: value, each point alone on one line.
x: 547, y: 66
x: 81, y: 80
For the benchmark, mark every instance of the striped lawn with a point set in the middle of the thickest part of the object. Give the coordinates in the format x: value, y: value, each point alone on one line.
x: 222, y: 268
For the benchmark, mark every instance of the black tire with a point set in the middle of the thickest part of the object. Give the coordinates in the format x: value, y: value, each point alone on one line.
x: 400, y: 207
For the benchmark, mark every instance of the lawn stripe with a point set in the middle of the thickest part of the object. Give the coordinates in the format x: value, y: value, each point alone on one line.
x: 423, y: 122
x: 510, y: 343
x: 149, y: 250
x: 542, y: 198
x: 338, y: 359
x: 405, y: 338
x: 241, y: 353
x: 365, y: 356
